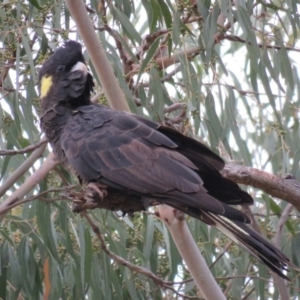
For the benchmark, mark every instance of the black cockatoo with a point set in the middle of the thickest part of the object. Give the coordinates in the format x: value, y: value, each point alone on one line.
x: 132, y: 154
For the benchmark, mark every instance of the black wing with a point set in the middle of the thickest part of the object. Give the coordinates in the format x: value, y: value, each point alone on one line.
x: 132, y: 153
x: 120, y: 150
x: 208, y: 166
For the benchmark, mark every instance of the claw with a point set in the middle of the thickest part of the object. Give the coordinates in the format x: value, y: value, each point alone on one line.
x: 78, y: 201
x: 99, y: 189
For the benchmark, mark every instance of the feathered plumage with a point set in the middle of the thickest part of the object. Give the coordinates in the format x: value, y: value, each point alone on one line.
x: 131, y: 153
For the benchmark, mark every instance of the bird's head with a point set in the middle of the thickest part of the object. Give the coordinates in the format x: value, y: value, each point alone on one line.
x: 64, y: 77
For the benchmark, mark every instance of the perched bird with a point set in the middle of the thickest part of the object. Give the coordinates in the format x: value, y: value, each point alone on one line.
x: 131, y: 154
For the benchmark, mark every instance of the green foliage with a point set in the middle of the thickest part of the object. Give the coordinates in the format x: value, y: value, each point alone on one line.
x: 238, y: 83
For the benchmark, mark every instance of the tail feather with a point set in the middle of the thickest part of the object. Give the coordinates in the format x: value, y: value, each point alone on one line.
x: 232, y: 223
x: 196, y: 203
x: 252, y: 242
x: 227, y: 191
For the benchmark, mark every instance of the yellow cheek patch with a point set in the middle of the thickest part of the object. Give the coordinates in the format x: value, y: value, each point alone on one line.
x: 46, y: 84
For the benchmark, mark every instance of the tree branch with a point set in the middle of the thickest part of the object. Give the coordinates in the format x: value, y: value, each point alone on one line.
x: 283, y: 188
x: 29, y: 183
x: 100, y: 61
x: 24, y: 150
x: 282, y: 288
x: 284, y: 216
x: 190, y: 253
x: 166, y: 61
x: 25, y: 166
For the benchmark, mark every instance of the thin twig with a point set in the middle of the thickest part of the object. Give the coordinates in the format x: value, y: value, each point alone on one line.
x: 166, y: 61
x: 167, y: 77
x: 242, y: 92
x: 284, y: 217
x: 248, y: 294
x: 120, y: 260
x: 173, y: 107
x: 148, y: 41
x: 39, y: 196
x: 134, y: 268
x: 24, y: 150
x: 243, y: 276
x: 235, y: 38
x: 221, y: 254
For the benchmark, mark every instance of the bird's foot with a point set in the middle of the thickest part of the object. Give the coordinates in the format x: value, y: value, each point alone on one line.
x: 94, y: 194
x: 100, y: 189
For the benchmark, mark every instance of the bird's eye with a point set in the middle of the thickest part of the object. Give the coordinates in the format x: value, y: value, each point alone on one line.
x: 60, y: 68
